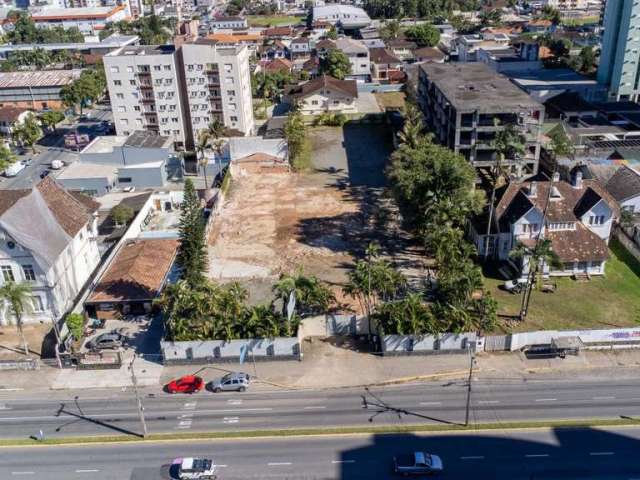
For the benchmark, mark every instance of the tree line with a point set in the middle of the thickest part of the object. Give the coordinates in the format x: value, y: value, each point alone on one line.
x: 25, y: 31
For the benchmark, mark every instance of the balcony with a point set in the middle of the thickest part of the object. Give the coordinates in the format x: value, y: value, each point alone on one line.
x: 145, y: 85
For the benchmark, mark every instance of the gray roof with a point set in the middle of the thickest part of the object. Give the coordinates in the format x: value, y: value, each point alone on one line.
x: 475, y: 86
x: 144, y: 139
x: 624, y: 184
x: 145, y: 50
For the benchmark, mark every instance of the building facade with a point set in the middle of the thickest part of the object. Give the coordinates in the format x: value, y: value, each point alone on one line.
x: 467, y: 104
x: 619, y: 68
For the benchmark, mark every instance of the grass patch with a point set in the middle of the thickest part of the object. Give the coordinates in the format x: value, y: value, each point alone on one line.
x: 392, y: 100
x: 575, y: 22
x: 611, y: 301
x: 303, y: 432
x: 272, y: 20
x: 303, y: 161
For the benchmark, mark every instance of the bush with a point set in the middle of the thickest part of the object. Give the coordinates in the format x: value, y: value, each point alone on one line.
x: 226, y: 182
x: 122, y: 214
x: 331, y: 119
x: 75, y: 322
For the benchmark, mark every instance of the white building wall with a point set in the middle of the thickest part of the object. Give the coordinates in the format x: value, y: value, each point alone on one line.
x: 603, y: 230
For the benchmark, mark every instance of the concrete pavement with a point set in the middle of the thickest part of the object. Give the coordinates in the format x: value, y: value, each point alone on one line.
x: 571, y: 454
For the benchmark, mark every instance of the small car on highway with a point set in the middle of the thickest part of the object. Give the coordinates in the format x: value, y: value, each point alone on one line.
x: 418, y: 463
x: 194, y: 469
x: 108, y: 340
x: 186, y: 384
x: 235, y: 381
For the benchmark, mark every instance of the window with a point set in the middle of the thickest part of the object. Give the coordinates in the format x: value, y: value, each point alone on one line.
x: 170, y: 94
x: 163, y: 121
x: 196, y: 119
x: 38, y: 305
x: 530, y: 228
x: 172, y: 108
x: 203, y: 106
x: 194, y: 108
x: 228, y: 80
x: 136, y: 108
x: 117, y: 83
x: 124, y: 180
x: 157, y: 82
x: 160, y: 95
x: 162, y: 108
x: 596, y: 220
x: 167, y: 68
x: 199, y: 66
x: 168, y: 81
x: 234, y: 119
x: 124, y: 121
x: 314, y: 102
x: 157, y: 68
x: 130, y: 69
x: 336, y: 102
x: 29, y: 273
x: 138, y: 122
x: 228, y: 67
x: 231, y: 93
x: 190, y: 68
x: 174, y: 119
x: 132, y: 83
x: 115, y: 70
x: 232, y: 106
x: 166, y: 132
x: 193, y: 94
x: 134, y: 95
x: 203, y: 94
x: 201, y: 81
x: 120, y: 96
x: 7, y: 273
x: 176, y: 132
x: 122, y: 109
x: 629, y: 208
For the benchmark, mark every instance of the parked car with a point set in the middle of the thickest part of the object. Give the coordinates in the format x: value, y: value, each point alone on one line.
x: 418, y: 463
x: 186, y: 384
x: 236, y: 381
x: 194, y: 469
x: 45, y: 173
x: 108, y: 340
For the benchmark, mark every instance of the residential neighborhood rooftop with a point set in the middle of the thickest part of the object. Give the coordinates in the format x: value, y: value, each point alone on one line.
x: 38, y: 78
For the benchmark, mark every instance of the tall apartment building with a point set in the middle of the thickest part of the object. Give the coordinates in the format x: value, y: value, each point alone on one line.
x: 619, y: 68
x: 466, y: 104
x: 217, y: 85
x: 177, y: 92
x: 144, y: 89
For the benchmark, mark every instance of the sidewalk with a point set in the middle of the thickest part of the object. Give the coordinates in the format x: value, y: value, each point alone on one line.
x: 327, y: 366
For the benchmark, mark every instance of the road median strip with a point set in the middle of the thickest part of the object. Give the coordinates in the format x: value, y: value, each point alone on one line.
x: 304, y: 432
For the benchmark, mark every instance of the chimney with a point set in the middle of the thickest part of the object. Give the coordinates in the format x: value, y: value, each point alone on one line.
x: 533, y: 189
x: 577, y: 179
x: 555, y: 177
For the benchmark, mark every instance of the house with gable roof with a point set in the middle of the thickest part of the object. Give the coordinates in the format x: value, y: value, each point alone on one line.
x: 324, y: 94
x: 48, y: 240
x: 576, y: 216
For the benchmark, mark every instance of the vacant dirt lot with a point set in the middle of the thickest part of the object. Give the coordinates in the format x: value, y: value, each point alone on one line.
x: 320, y: 220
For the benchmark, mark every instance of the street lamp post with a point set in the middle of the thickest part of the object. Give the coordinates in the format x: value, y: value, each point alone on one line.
x: 134, y: 381
x: 471, y: 362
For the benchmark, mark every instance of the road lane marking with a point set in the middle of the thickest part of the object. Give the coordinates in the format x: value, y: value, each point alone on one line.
x: 473, y: 457
x: 183, y: 427
x: 186, y: 415
x: 315, y: 408
x: 343, y: 461
x: 536, y: 455
x: 597, y: 454
x: 87, y: 471
x: 430, y: 403
x: 231, y: 419
x: 234, y: 402
x: 278, y: 464
x: 22, y: 473
x: 546, y: 399
x: 603, y: 398
x: 222, y: 466
x: 189, y: 406
x: 186, y: 422
x: 488, y: 401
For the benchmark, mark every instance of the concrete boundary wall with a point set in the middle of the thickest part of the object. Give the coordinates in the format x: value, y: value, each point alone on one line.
x: 596, y: 339
x: 427, y: 344
x: 221, y: 351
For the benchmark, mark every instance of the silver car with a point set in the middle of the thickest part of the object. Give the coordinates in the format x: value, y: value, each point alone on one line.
x: 236, y: 381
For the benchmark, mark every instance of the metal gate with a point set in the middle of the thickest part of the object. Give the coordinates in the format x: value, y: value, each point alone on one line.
x: 496, y: 343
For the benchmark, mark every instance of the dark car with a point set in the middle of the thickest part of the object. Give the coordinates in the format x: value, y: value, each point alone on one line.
x: 45, y: 173
x: 109, y: 340
x: 186, y: 384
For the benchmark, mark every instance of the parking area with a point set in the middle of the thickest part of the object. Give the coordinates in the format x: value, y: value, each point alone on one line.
x: 320, y: 221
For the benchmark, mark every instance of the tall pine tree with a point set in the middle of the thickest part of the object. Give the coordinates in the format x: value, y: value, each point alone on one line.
x: 192, y: 252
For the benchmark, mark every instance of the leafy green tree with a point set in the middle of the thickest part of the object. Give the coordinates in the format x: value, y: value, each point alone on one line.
x: 407, y: 316
x: 390, y: 30
x: 490, y: 18
x: 332, y: 34
x: 122, y: 214
x: 561, y: 145
x: 551, y: 14
x: 296, y: 134
x: 192, y: 251
x: 412, y: 133
x: 75, y: 322
x: 28, y: 132
x: 335, y: 64
x: 18, y: 297
x: 313, y: 297
x: 7, y: 157
x: 424, y: 35
x: 51, y: 118
x: 85, y: 90
x: 588, y: 62
x: 537, y: 257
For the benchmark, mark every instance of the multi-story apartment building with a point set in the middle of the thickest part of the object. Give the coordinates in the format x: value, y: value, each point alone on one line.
x: 619, y: 69
x: 144, y: 88
x: 466, y: 104
x: 176, y: 93
x: 217, y: 84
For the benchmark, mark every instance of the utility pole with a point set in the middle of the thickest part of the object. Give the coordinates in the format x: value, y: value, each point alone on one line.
x: 138, y: 399
x: 471, y: 362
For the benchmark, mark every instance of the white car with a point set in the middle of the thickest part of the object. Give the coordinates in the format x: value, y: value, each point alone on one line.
x: 195, y: 468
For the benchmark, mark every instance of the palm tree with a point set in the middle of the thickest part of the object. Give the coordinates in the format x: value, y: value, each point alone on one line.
x: 203, y: 144
x: 17, y: 296
x: 508, y: 143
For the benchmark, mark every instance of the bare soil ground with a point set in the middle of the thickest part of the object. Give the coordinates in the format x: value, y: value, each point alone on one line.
x: 11, y: 343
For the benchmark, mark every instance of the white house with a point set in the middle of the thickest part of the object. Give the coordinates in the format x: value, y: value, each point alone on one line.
x: 624, y: 186
x: 229, y: 23
x: 358, y: 55
x: 300, y: 47
x: 325, y: 94
x: 346, y: 16
x: 47, y: 239
x: 578, y: 221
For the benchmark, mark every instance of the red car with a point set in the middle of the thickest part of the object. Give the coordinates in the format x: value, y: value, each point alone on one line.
x: 186, y: 384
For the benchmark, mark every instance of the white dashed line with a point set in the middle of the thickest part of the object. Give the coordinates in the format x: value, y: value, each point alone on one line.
x: 231, y: 419
x: 234, y: 402
x: 477, y: 457
x: 537, y: 455
x: 315, y: 408
x: 185, y: 422
x: 222, y: 466
x: 430, y: 403
x: 546, y: 399
x: 598, y: 454
x: 343, y: 461
x: 22, y: 473
x: 603, y: 398
x: 189, y: 406
x: 278, y: 464
x: 186, y: 415
x: 87, y: 471
x: 487, y: 402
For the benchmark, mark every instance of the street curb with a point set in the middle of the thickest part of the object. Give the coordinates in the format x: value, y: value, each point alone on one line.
x: 417, y: 429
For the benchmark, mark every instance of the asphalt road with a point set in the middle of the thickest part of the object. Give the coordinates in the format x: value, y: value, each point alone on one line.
x: 108, y: 412
x: 528, y: 455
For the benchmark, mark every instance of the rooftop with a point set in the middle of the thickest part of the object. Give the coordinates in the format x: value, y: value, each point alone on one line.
x: 112, y: 41
x: 49, y: 78
x: 475, y: 86
x: 81, y: 170
x: 350, y: 87
x: 137, y: 272
x: 69, y: 13
x: 138, y: 139
x: 144, y: 50
x: 550, y: 76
